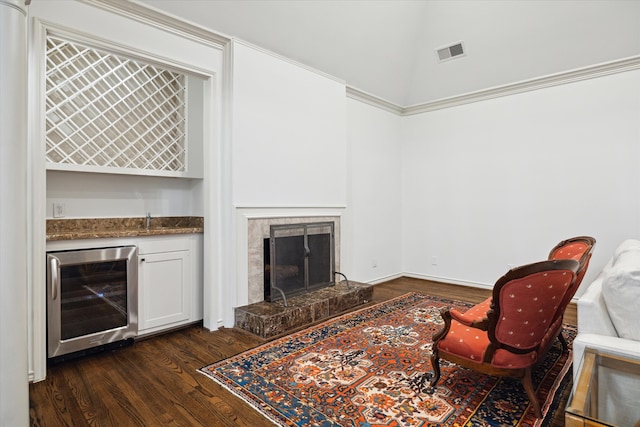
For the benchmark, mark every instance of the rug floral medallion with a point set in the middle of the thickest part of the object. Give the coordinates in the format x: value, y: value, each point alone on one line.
x: 371, y: 368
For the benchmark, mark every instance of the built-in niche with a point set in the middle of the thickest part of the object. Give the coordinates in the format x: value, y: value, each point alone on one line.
x: 111, y: 112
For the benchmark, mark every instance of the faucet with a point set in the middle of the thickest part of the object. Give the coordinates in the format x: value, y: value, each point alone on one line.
x: 148, y: 220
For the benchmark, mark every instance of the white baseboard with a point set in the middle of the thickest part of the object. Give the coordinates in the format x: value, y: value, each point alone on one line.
x: 448, y: 280
x: 385, y: 279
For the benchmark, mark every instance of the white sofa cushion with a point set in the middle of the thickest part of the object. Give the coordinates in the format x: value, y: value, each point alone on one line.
x: 593, y: 317
x: 627, y: 245
x: 621, y: 290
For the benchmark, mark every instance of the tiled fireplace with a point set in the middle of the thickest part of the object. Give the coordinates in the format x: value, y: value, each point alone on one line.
x: 270, y: 319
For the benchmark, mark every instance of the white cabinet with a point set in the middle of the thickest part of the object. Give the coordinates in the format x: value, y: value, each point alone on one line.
x: 169, y: 282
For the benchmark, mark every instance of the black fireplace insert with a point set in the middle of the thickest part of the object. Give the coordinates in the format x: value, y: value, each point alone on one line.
x: 298, y: 258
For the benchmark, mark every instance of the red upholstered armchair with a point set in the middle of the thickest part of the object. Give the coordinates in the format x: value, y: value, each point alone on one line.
x: 509, y: 333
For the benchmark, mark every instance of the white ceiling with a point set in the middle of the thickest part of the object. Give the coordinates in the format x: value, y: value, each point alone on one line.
x: 387, y: 47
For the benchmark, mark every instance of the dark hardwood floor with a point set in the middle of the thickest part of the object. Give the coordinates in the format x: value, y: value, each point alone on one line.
x: 155, y: 382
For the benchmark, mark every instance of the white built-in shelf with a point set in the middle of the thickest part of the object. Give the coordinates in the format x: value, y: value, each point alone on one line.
x: 110, y: 113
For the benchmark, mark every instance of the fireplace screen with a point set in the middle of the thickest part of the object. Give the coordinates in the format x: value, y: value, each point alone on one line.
x: 300, y: 258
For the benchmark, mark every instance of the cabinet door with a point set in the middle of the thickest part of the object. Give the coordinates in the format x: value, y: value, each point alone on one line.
x: 164, y: 291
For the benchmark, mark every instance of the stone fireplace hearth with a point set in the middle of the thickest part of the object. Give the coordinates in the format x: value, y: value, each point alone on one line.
x: 270, y: 319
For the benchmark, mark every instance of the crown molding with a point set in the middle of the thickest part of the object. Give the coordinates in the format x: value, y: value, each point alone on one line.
x: 150, y: 16
x: 373, y: 100
x: 580, y: 74
x: 577, y: 75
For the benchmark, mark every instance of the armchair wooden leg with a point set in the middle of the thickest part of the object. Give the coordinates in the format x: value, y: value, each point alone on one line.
x: 531, y: 393
x: 435, y: 363
x: 435, y: 358
x: 563, y: 341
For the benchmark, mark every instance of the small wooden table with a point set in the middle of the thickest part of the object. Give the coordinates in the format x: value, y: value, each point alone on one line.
x: 607, y: 391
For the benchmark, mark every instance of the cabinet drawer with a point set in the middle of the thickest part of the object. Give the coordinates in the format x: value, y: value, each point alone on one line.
x: 153, y: 246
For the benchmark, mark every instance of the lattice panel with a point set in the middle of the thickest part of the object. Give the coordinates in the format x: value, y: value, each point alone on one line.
x: 106, y: 110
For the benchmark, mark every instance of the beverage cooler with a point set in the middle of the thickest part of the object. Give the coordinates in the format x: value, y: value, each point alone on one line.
x: 92, y: 299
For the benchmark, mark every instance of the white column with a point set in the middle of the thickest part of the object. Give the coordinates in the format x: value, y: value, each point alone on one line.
x: 14, y: 376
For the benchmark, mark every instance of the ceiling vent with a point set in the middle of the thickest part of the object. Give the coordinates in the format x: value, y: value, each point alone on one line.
x: 451, y: 52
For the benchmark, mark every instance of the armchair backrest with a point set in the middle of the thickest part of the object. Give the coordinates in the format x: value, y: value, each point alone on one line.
x: 525, y: 302
x: 579, y: 248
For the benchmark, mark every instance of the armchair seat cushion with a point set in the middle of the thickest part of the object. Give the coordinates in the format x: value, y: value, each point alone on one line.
x: 472, y: 343
x: 465, y: 341
x: 505, y: 359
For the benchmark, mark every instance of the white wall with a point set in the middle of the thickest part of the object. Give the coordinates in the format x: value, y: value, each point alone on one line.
x: 90, y: 195
x: 372, y: 233
x: 501, y: 181
x: 289, y: 133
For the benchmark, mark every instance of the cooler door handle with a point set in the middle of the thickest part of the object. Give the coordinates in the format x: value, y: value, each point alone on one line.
x: 55, y: 277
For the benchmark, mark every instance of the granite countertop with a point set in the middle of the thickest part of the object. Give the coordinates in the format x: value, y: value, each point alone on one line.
x: 95, y: 228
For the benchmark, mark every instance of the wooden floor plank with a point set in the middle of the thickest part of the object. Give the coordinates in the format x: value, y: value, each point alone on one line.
x: 155, y: 381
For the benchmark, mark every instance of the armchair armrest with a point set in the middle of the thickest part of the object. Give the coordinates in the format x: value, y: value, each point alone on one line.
x: 476, y: 316
x: 470, y: 320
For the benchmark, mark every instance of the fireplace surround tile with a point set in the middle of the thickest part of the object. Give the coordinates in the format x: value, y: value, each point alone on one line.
x: 258, y: 229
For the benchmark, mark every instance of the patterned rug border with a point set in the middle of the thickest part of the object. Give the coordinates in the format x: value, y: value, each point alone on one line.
x: 549, y: 406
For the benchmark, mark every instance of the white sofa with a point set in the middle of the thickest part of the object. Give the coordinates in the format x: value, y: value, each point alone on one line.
x: 609, y: 320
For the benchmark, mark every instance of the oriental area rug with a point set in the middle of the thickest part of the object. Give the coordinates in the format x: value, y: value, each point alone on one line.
x: 371, y: 368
